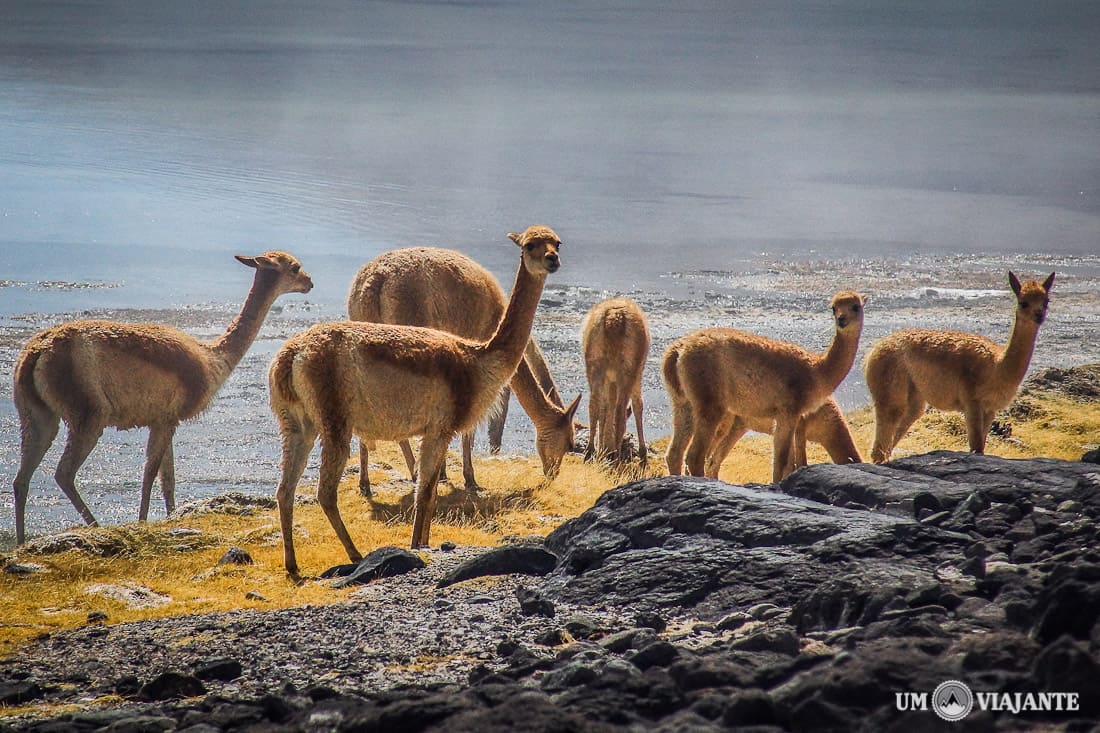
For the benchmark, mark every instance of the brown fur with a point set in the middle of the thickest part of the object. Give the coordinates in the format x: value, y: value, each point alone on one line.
x: 716, y: 375
x: 615, y: 342
x: 444, y: 289
x: 389, y: 382
x: 951, y: 370
x: 99, y: 374
x: 825, y: 426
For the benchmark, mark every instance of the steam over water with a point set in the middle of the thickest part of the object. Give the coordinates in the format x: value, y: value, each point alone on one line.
x: 726, y: 163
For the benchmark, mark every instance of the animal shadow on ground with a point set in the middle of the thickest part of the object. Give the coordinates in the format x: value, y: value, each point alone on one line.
x: 457, y: 506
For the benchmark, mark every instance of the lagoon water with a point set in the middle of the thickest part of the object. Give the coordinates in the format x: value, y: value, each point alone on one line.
x: 725, y: 163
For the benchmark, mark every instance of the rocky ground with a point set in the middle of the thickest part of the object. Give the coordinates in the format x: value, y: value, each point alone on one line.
x: 673, y: 604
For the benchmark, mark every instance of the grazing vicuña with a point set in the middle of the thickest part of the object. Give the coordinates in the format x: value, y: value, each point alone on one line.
x: 386, y: 382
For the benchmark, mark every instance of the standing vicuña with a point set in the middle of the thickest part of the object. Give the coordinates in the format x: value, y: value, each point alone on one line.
x: 95, y: 374
x: 715, y: 375
x: 445, y: 289
x: 386, y: 382
x: 615, y: 341
x: 952, y: 370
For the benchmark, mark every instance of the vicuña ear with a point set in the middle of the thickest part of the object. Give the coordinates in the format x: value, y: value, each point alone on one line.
x: 1049, y: 282
x: 1014, y: 282
x: 572, y: 409
x: 250, y: 261
x: 516, y: 238
x: 864, y: 299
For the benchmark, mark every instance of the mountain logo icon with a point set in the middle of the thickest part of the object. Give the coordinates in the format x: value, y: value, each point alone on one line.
x: 952, y: 700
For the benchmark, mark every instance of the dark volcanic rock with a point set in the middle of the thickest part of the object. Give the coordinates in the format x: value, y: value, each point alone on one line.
x: 171, y: 685
x: 520, y: 559
x: 677, y: 605
x: 382, y: 563
x: 701, y: 544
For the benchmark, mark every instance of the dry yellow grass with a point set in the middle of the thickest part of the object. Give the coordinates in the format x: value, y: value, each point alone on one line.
x: 516, y: 501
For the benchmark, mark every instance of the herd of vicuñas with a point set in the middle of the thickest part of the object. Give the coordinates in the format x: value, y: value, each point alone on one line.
x: 431, y: 349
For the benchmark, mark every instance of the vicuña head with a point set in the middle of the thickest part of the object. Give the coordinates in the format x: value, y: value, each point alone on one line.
x: 952, y: 370
x: 388, y: 382
x: 99, y: 374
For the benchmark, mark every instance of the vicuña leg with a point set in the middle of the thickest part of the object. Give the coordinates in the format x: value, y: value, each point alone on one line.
x: 887, y: 421
x: 724, y: 445
x: 160, y: 438
x: 637, y: 405
x: 297, y: 439
x: 683, y: 425
x: 708, y: 422
x: 168, y: 479
x: 83, y: 436
x: 364, y: 465
x: 433, y: 451
x: 39, y: 426
x: 335, y: 449
x: 468, y: 477
x: 496, y: 420
x: 978, y: 423
x: 783, y: 447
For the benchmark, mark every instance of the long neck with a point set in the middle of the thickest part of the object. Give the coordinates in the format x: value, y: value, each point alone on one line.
x: 835, y: 363
x: 510, y: 339
x: 532, y: 399
x: 1017, y: 355
x: 230, y: 347
x: 537, y: 363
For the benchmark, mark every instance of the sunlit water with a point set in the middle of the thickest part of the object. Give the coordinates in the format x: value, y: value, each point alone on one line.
x: 722, y: 163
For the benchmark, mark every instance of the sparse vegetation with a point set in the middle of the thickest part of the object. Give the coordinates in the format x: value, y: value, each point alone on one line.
x: 516, y: 500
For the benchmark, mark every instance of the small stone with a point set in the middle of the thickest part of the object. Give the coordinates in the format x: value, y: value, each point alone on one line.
x: 219, y: 669
x: 925, y: 501
x: 18, y: 693
x: 97, y: 617
x: 442, y: 604
x: 935, y: 519
x: 382, y: 563
x: 650, y: 620
x: 521, y: 559
x: 255, y: 595
x: 582, y: 627
x: 1069, y: 506
x: 657, y: 654
x: 781, y: 641
x: 734, y: 620
x: 24, y: 568
x: 758, y: 611
x: 551, y: 637
x: 631, y: 638
x: 171, y: 686
x: 531, y: 603
x: 448, y: 546
x: 236, y: 556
